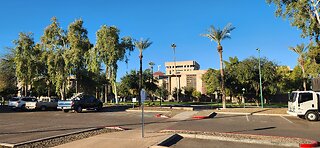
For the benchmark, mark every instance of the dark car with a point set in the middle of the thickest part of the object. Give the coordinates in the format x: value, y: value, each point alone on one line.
x: 79, y: 102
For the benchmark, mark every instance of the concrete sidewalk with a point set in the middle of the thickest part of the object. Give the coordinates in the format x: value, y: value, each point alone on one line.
x: 123, y: 139
x: 131, y: 138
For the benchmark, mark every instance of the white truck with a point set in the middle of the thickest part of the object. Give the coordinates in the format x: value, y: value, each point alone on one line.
x: 305, y: 104
x: 44, y: 103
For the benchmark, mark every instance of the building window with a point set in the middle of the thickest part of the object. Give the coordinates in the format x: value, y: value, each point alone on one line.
x: 192, y: 80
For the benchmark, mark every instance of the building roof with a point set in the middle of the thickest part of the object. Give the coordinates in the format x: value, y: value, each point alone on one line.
x: 158, y: 73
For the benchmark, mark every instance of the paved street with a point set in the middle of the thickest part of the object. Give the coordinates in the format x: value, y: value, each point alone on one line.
x: 22, y: 126
x: 261, y: 125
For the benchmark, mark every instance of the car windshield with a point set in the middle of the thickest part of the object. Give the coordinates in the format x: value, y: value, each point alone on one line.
x: 293, y: 97
x: 14, y: 99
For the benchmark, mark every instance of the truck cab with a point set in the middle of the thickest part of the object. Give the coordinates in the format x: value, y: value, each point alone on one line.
x: 304, y: 104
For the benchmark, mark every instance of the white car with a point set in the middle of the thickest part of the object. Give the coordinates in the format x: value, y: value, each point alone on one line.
x: 20, y: 102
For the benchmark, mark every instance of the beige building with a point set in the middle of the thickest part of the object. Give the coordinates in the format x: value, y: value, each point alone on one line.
x: 181, y: 66
x: 187, y: 75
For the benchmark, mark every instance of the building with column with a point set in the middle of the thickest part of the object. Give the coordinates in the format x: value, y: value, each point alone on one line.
x: 182, y: 74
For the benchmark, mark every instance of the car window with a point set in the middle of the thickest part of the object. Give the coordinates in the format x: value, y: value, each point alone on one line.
x: 25, y: 99
x: 14, y: 99
x: 293, y: 97
x: 303, y: 97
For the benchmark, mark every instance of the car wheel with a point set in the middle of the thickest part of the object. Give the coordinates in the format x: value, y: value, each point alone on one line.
x: 312, y: 116
x: 43, y: 108
x: 79, y: 109
x: 23, y: 108
x: 65, y: 110
x: 99, y: 108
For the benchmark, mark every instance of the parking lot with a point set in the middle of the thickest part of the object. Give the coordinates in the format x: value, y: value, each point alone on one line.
x: 287, y: 126
x: 18, y: 127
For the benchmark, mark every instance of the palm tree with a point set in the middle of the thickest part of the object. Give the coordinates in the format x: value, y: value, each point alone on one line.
x: 218, y: 35
x: 141, y: 45
x: 151, y: 64
x: 301, y: 51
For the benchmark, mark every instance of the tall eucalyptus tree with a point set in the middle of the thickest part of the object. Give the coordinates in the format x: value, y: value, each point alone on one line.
x: 109, y: 51
x: 54, y: 45
x: 79, y: 44
x: 24, y: 55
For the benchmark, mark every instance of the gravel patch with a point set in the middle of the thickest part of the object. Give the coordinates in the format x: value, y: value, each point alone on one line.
x: 64, y: 139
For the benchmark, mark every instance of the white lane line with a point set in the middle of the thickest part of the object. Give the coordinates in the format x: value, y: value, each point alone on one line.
x: 286, y: 119
x: 247, y: 118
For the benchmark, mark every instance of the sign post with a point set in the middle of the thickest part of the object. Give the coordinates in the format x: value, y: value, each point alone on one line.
x: 134, y: 100
x: 143, y: 95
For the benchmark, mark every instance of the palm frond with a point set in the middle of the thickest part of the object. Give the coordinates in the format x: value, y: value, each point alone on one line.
x: 142, y: 44
x: 299, y: 49
x: 217, y: 35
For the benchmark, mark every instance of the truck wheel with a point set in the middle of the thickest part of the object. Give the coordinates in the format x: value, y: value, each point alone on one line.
x: 65, y: 110
x: 79, y: 109
x: 43, y: 108
x: 312, y: 116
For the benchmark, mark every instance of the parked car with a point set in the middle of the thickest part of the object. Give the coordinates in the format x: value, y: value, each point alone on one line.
x: 20, y: 102
x: 79, y: 102
x: 44, y: 103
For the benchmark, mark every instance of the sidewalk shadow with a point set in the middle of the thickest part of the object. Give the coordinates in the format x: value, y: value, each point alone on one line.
x: 256, y: 129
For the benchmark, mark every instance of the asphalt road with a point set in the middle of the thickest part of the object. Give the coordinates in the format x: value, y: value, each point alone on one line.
x: 251, y: 124
x: 18, y: 127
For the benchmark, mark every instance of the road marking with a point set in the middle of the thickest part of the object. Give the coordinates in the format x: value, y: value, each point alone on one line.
x: 247, y: 118
x: 286, y: 119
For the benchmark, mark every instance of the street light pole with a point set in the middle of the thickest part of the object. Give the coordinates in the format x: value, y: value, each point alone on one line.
x: 261, y: 97
x: 244, y: 101
x: 175, y: 69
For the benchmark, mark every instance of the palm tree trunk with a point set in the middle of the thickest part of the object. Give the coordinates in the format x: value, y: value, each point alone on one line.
x: 140, y: 78
x: 220, y: 49
x: 304, y: 78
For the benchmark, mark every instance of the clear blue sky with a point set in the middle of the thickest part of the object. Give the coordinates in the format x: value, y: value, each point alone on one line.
x: 164, y: 22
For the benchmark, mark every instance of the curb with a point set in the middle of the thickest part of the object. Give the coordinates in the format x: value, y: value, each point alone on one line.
x: 61, y: 135
x: 259, y: 114
x: 116, y: 128
x: 313, y: 144
x: 200, y: 117
x: 161, y: 116
x: 47, y: 138
x: 211, y: 115
x: 148, y: 111
x: 224, y: 137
